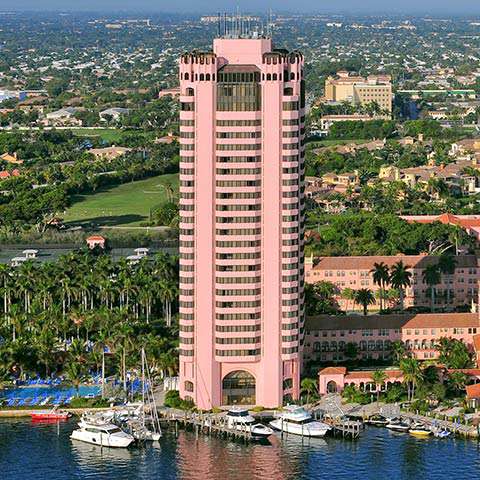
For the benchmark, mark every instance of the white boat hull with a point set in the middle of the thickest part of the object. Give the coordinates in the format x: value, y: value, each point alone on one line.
x: 102, y: 439
x: 314, y: 429
x: 398, y: 428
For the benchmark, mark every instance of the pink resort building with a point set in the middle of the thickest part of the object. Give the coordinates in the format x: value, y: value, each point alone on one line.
x: 241, y: 227
x: 327, y: 338
x: 355, y: 273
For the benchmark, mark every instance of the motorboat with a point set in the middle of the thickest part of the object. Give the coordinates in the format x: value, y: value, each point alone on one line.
x: 397, y: 425
x: 441, y: 433
x: 139, y: 431
x: 419, y: 430
x: 377, y: 421
x: 298, y: 421
x: 103, y: 434
x: 240, y: 419
x: 53, y: 414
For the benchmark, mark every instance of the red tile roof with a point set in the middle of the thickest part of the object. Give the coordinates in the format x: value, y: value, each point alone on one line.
x: 391, y: 374
x: 333, y: 371
x: 476, y: 343
x: 473, y: 391
x: 366, y: 263
x: 397, y: 321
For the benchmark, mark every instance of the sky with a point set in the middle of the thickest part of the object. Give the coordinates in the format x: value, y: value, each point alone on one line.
x: 434, y: 7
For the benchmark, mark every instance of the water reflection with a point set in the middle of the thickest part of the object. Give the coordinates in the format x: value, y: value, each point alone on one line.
x: 30, y: 451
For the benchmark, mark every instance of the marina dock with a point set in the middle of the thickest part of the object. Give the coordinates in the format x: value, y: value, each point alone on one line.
x: 209, y: 424
x: 457, y: 428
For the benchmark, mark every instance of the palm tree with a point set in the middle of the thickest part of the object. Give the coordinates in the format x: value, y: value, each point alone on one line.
x: 431, y: 276
x: 412, y: 375
x: 398, y: 350
x: 168, y: 293
x: 349, y: 295
x: 75, y: 373
x: 400, y: 278
x: 309, y: 387
x: 379, y: 377
x: 446, y: 265
x: 381, y: 277
x: 364, y: 297
x: 5, y: 276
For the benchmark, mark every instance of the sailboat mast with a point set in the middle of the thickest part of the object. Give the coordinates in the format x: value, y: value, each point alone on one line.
x: 143, y: 386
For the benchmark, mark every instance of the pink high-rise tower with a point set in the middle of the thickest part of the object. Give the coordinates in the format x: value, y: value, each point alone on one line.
x: 241, y: 222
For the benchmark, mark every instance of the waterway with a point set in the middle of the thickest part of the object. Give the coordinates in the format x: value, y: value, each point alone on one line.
x: 44, y: 451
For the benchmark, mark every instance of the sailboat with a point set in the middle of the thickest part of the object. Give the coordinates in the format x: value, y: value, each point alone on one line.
x: 142, y: 427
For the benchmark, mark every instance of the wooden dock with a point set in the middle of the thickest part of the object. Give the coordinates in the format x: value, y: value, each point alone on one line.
x: 457, y: 428
x: 345, y: 428
x: 209, y: 424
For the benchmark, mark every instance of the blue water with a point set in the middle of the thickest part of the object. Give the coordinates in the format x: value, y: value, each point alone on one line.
x: 48, y: 391
x: 31, y: 451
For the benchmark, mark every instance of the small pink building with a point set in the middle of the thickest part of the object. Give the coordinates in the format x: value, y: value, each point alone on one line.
x: 460, y: 288
x: 329, y: 338
x: 95, y: 241
x: 335, y: 379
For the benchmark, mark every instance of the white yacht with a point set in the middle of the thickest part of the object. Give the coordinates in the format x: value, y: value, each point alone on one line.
x: 103, y: 434
x: 298, y: 421
x: 240, y: 419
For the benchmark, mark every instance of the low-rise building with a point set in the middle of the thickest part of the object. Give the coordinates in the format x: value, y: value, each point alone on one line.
x: 11, y: 158
x: 337, y: 338
x: 109, y: 153
x: 345, y: 87
x: 96, y: 241
x: 469, y: 223
x: 458, y: 175
x: 114, y: 113
x: 325, y: 123
x: 173, y: 92
x: 355, y: 273
x: 64, y: 116
x: 335, y: 379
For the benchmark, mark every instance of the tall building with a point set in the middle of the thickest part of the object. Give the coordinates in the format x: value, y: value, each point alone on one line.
x: 359, y: 90
x: 241, y: 222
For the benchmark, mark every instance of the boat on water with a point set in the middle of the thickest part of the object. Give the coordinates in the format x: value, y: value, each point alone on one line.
x: 377, y: 421
x: 103, y: 434
x: 441, y: 433
x: 419, y: 430
x: 53, y: 414
x: 240, y: 419
x: 397, y: 425
x: 298, y: 421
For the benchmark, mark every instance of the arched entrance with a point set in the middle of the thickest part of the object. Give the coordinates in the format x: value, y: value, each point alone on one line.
x: 238, y: 388
x: 331, y: 387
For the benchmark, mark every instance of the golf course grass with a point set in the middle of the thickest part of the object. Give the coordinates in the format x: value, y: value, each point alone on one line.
x: 123, y: 205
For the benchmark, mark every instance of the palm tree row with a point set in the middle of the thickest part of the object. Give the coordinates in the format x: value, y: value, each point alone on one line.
x: 81, y: 282
x: 399, y: 277
x: 73, y: 310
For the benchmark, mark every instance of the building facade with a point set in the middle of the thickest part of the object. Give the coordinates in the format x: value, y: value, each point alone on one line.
x: 354, y: 273
x: 335, y: 379
x: 241, y: 222
x: 327, y: 337
x: 359, y: 90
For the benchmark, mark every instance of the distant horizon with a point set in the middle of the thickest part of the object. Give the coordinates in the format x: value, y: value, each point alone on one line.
x: 349, y: 14
x: 432, y: 8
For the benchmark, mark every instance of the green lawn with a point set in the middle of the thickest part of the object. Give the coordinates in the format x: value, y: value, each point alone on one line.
x: 108, y: 134
x: 124, y: 205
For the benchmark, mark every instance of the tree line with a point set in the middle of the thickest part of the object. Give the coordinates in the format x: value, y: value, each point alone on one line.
x: 56, y: 314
